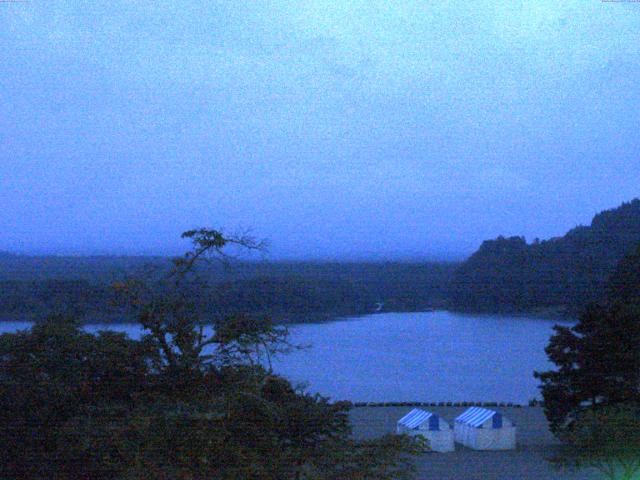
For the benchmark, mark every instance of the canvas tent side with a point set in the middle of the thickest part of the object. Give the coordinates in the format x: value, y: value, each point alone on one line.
x: 437, y: 433
x: 483, y: 429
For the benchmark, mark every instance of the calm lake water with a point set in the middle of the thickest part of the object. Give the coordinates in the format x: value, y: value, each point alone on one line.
x: 430, y: 356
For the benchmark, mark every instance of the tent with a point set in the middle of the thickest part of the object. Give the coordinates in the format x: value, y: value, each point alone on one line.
x: 437, y: 433
x: 483, y: 429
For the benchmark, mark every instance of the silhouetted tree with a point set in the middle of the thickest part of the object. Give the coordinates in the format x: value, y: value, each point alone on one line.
x: 179, y: 403
x: 592, y: 398
x: 49, y: 378
x: 597, y: 363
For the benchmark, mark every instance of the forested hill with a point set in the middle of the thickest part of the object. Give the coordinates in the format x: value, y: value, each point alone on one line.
x: 31, y: 287
x: 563, y: 274
x: 624, y: 285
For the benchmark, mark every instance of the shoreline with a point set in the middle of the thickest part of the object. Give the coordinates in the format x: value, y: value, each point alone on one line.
x: 328, y: 316
x: 442, y: 404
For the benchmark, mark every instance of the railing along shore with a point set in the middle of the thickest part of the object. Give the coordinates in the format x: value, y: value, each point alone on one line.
x: 533, y: 403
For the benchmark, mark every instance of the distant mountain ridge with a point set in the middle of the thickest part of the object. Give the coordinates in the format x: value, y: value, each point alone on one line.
x: 563, y: 273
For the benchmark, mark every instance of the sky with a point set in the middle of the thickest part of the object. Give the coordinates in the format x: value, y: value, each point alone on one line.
x: 334, y: 129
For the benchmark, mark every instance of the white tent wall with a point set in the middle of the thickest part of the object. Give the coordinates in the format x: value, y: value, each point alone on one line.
x: 495, y: 438
x: 486, y: 436
x: 440, y: 440
x: 437, y: 440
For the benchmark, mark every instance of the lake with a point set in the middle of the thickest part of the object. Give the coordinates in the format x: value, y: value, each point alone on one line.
x: 426, y: 357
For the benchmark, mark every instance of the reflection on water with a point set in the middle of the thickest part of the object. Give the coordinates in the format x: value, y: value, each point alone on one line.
x: 431, y: 356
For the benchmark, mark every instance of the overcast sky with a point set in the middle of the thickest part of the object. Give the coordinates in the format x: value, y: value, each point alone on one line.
x: 345, y: 129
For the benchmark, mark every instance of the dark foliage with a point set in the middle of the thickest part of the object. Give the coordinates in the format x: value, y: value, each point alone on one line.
x: 598, y: 363
x: 569, y: 272
x: 598, y: 359
x: 607, y: 439
x: 624, y: 285
x: 592, y: 398
x: 32, y: 287
x: 177, y: 404
x: 52, y: 375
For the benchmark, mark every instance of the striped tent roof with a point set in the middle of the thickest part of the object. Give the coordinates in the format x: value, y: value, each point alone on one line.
x: 476, y: 416
x: 415, y: 418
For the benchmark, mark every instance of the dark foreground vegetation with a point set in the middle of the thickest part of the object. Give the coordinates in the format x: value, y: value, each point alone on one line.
x: 180, y: 404
x: 176, y: 404
x: 592, y: 398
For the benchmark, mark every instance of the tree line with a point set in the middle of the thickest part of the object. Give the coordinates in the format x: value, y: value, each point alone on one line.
x: 178, y: 403
x: 561, y: 275
x: 566, y: 273
x: 288, y: 292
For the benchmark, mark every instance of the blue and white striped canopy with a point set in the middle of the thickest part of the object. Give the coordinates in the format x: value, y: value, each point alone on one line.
x: 417, y: 417
x: 476, y: 416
